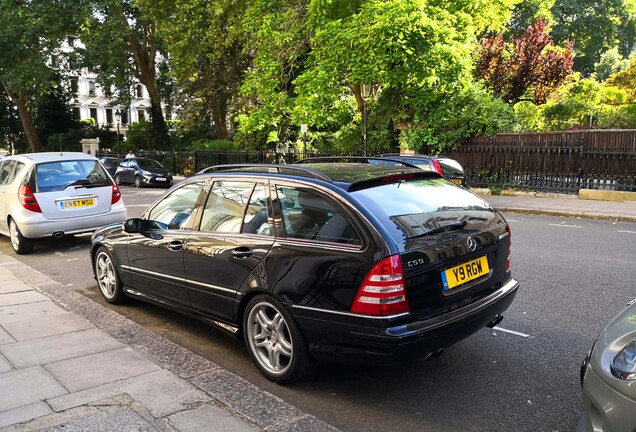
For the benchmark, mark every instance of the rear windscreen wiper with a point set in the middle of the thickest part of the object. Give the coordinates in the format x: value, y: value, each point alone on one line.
x: 85, y: 184
x: 445, y: 228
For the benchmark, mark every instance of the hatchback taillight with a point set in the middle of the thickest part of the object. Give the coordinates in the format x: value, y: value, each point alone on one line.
x: 509, y: 247
x: 438, y: 167
x: 116, y: 194
x: 27, y: 199
x: 382, y: 292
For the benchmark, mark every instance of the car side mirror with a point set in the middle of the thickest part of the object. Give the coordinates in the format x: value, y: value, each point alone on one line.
x: 287, y: 203
x: 141, y: 226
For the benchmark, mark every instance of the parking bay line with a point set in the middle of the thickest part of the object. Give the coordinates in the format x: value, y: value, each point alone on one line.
x: 628, y: 232
x: 512, y: 332
x: 565, y: 226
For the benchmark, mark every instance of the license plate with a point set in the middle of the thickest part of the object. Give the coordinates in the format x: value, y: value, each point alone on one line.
x: 160, y: 178
x: 458, y: 181
x: 458, y: 275
x: 78, y: 203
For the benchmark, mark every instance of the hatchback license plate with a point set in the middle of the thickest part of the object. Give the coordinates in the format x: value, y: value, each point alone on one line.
x: 160, y: 179
x: 79, y: 203
x: 457, y: 180
x: 465, y: 272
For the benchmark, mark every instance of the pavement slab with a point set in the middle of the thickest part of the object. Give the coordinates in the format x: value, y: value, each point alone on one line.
x: 59, y: 347
x: 108, y: 420
x: 167, y: 394
x: 5, y: 366
x: 197, y: 419
x: 96, y: 369
x: 27, y: 386
x: 48, y: 326
x: 13, y: 286
x: 5, y: 337
x: 24, y: 413
x: 28, y: 311
x: 23, y: 297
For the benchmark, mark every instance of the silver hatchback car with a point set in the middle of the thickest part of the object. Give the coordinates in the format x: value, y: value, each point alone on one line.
x: 608, y: 376
x: 55, y: 194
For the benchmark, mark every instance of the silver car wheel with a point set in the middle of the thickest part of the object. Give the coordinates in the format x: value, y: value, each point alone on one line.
x: 107, y: 277
x: 19, y: 243
x: 269, y: 338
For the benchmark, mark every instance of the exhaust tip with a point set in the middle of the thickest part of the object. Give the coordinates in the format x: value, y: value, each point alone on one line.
x: 58, y: 234
x: 494, y: 322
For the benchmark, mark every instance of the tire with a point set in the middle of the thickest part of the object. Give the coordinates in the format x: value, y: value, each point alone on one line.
x: 274, y: 341
x: 107, y: 277
x: 138, y: 182
x: 20, y: 244
x: 117, y: 180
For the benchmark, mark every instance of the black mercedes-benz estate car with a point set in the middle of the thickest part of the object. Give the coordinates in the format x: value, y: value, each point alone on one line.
x: 351, y: 262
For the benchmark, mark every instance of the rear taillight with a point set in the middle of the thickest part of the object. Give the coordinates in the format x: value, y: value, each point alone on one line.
x: 27, y: 199
x: 438, y: 167
x: 509, y: 247
x: 116, y: 194
x: 382, y: 292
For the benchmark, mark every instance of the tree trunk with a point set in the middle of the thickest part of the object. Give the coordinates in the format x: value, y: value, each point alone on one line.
x: 219, y: 116
x: 22, y: 104
x: 357, y: 92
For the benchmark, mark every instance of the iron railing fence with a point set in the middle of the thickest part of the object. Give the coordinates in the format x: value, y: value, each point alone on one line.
x: 550, y: 162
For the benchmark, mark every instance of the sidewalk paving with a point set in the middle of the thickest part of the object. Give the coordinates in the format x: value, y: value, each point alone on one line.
x: 68, y: 364
x: 60, y: 371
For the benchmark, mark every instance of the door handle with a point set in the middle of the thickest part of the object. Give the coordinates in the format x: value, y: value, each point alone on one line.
x: 176, y: 245
x: 242, y: 252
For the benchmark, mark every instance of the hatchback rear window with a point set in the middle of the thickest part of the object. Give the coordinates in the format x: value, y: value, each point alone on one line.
x: 57, y: 176
x: 415, y: 208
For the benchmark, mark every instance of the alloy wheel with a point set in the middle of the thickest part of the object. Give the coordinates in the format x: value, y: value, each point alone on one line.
x: 269, y: 338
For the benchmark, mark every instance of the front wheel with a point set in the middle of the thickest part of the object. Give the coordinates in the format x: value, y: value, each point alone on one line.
x: 107, y: 277
x: 138, y: 182
x: 20, y: 244
x: 274, y: 341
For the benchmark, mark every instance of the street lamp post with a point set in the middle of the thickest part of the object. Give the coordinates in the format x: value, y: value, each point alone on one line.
x: 303, y: 129
x: 365, y: 93
x: 118, y: 117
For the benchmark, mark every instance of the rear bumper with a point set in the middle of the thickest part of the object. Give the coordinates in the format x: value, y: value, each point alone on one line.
x: 37, y: 226
x: 359, y: 339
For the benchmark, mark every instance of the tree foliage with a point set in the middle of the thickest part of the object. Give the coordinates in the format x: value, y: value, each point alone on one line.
x: 529, y: 67
x: 28, y: 40
x: 121, y: 42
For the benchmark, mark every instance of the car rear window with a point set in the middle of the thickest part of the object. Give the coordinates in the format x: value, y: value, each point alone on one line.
x: 414, y: 208
x: 450, y: 167
x: 58, y: 175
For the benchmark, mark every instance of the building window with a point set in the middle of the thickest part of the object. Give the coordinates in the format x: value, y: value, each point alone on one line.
x: 141, y: 115
x: 76, y: 114
x: 91, y: 88
x: 124, y: 117
x: 74, y: 85
x: 109, y: 116
x: 94, y: 114
x: 140, y: 91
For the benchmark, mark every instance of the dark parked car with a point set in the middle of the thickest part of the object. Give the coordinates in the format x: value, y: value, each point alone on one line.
x: 449, y: 168
x: 347, y: 262
x: 143, y: 172
x: 111, y: 164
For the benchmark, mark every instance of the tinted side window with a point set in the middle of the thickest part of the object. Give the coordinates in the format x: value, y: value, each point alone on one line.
x: 225, y: 206
x: 256, y: 219
x: 175, y: 209
x: 308, y: 215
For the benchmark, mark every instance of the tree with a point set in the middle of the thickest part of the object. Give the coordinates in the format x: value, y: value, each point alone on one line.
x: 611, y: 62
x: 311, y: 59
x: 206, y: 54
x: 28, y: 40
x: 595, y: 27
x: 121, y: 41
x: 625, y: 80
x: 528, y: 68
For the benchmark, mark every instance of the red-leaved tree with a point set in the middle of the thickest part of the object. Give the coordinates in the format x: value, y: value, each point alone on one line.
x: 527, y: 68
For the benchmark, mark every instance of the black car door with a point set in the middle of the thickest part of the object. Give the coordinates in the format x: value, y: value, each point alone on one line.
x: 156, y: 255
x: 233, y: 238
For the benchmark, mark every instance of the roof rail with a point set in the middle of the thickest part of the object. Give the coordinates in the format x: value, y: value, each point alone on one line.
x: 270, y: 168
x: 360, y: 159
